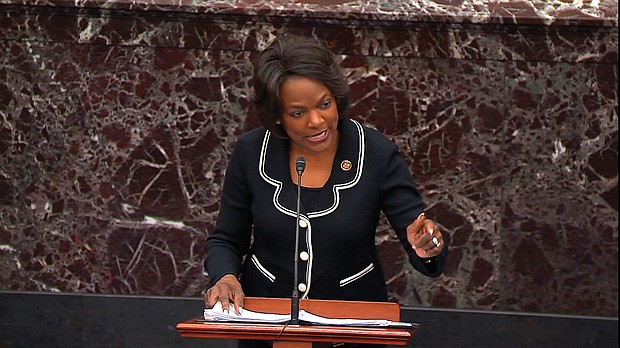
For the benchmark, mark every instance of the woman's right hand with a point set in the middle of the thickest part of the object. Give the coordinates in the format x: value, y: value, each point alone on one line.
x: 226, y: 290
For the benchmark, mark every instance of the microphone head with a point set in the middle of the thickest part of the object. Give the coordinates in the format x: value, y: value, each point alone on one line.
x: 300, y: 164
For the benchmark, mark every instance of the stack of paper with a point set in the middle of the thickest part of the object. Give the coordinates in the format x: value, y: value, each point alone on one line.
x: 218, y: 314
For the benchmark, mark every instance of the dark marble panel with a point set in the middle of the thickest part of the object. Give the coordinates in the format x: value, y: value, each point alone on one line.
x: 80, y: 320
x: 522, y: 12
x: 446, y: 116
x: 117, y: 160
x: 560, y: 212
x: 369, y: 38
x: 117, y: 124
x: 99, y: 321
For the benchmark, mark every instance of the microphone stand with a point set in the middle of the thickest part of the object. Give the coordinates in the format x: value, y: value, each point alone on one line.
x: 300, y: 165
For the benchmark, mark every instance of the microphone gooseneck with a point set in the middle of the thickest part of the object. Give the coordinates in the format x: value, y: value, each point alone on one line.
x: 300, y: 166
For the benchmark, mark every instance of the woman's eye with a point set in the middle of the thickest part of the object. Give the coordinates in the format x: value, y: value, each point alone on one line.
x: 296, y: 114
x: 326, y: 104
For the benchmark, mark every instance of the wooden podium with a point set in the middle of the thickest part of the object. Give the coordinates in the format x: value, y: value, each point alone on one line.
x: 302, y: 336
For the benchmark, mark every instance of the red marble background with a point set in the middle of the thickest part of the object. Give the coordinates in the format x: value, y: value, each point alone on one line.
x: 117, y: 119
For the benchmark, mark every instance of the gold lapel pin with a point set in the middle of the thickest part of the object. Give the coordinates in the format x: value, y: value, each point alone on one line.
x: 346, y: 165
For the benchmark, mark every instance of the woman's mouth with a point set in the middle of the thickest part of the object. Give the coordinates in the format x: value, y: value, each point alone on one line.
x: 319, y: 136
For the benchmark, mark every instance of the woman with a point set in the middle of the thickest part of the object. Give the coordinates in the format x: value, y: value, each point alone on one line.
x: 352, y: 174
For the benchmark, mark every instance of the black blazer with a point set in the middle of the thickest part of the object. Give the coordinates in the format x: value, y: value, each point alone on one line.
x: 254, y: 235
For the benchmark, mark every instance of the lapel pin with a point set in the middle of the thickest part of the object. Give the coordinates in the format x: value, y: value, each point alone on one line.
x: 346, y: 165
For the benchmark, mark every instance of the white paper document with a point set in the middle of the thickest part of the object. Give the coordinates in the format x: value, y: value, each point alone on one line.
x: 218, y: 314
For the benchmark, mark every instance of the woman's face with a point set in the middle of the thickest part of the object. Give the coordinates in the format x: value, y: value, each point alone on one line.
x: 309, y: 115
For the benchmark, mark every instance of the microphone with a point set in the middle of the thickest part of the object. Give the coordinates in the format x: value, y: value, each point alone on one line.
x: 300, y: 166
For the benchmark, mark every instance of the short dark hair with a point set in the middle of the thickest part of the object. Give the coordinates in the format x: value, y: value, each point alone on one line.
x: 290, y: 56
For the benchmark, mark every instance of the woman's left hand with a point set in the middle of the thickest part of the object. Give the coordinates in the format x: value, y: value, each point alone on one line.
x: 425, y: 237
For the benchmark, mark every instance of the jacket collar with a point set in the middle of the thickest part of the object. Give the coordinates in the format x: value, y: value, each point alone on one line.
x: 346, y: 171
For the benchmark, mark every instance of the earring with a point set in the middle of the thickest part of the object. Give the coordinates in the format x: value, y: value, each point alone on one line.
x: 278, y: 122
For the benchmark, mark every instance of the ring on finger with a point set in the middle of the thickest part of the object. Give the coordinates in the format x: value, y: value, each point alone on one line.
x: 436, y: 241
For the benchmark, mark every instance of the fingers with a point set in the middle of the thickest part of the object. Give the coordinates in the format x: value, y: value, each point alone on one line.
x: 433, y: 240
x: 227, y: 290
x: 436, y: 242
x: 435, y: 235
x: 415, y: 230
x: 425, y: 237
x: 212, y: 296
x: 225, y: 301
x: 205, y: 298
x: 415, y: 227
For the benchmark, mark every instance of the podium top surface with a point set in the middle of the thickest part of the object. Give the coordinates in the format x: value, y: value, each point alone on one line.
x: 197, y: 328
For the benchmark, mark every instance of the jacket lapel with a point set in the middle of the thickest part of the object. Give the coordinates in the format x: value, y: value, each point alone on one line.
x: 346, y: 171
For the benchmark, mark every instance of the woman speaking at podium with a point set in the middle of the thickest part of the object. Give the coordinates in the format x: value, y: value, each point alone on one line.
x: 352, y: 173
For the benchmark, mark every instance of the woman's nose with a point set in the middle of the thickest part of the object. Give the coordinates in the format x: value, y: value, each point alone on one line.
x: 314, y: 118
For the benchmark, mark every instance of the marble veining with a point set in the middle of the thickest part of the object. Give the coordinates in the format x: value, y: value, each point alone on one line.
x: 118, y: 118
x: 555, y: 12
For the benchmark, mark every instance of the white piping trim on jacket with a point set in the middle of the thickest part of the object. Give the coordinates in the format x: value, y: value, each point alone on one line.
x: 262, y: 269
x: 357, y: 275
x: 336, y: 192
x: 336, y: 189
x: 358, y: 174
x: 278, y: 184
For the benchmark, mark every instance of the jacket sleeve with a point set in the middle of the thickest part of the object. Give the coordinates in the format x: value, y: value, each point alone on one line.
x: 402, y: 203
x: 231, y: 237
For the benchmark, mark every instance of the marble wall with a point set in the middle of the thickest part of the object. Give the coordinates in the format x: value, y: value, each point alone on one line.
x: 117, y: 119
